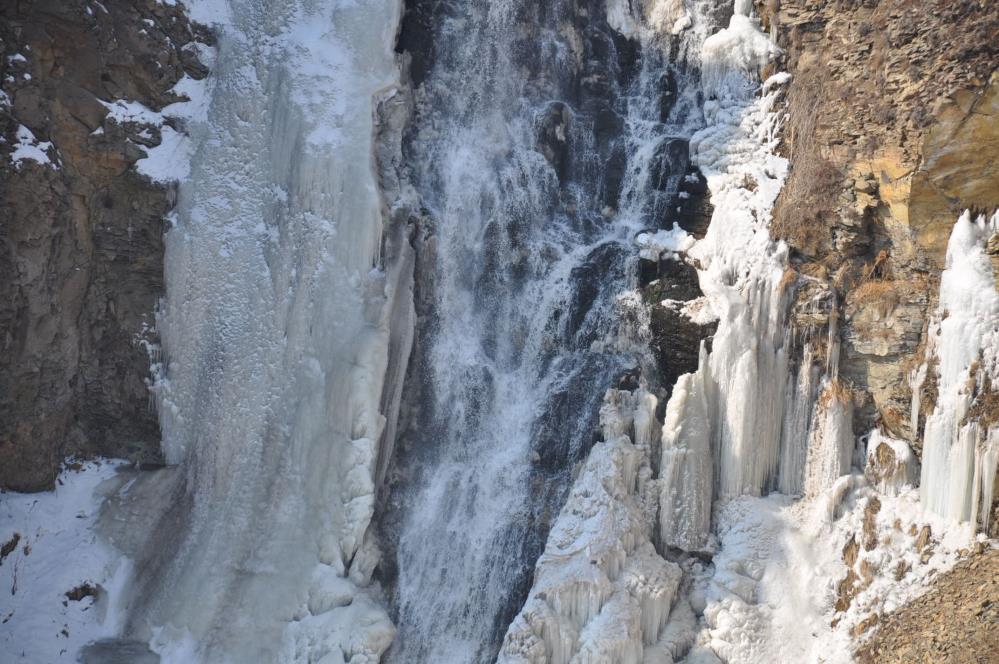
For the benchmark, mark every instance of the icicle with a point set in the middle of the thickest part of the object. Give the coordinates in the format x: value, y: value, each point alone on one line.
x: 800, y: 397
x: 966, y: 342
x: 987, y: 463
x: 686, y: 475
x: 830, y: 444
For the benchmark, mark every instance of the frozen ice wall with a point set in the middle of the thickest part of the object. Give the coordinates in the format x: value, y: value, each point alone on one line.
x: 275, y: 335
x: 744, y: 377
x: 959, y: 453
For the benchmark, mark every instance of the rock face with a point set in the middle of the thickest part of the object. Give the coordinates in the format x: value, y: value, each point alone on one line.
x: 891, y: 133
x: 81, y: 248
x: 955, y: 622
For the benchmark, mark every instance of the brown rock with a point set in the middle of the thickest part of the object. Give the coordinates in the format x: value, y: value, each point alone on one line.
x: 81, y: 244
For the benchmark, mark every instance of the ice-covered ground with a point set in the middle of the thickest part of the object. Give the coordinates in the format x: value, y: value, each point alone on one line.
x: 58, y: 579
x: 776, y: 582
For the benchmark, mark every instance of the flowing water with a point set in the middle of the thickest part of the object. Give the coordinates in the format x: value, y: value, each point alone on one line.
x: 543, y: 142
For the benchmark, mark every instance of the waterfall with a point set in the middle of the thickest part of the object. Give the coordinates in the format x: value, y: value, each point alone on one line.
x: 281, y: 281
x: 543, y: 142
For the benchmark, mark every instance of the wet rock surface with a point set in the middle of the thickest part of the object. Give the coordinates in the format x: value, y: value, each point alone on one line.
x: 81, y: 237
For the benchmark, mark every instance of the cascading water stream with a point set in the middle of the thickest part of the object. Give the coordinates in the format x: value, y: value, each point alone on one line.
x: 544, y: 141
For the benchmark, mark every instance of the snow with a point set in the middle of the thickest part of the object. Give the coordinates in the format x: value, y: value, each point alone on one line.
x: 30, y: 148
x: 890, y: 464
x: 773, y: 594
x: 959, y: 457
x: 170, y: 160
x: 57, y: 551
x: 653, y: 245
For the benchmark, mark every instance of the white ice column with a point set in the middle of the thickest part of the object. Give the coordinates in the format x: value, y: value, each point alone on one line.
x: 686, y: 466
x: 964, y: 338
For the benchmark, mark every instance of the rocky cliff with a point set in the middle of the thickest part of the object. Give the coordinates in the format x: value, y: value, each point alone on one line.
x: 892, y: 131
x: 81, y: 231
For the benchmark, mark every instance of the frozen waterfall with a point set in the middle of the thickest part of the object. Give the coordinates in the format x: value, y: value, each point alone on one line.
x: 281, y: 277
x: 562, y: 145
x: 960, y: 455
x: 408, y: 392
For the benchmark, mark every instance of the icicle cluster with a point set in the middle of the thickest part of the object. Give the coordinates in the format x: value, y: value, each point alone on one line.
x: 601, y: 592
x: 959, y: 453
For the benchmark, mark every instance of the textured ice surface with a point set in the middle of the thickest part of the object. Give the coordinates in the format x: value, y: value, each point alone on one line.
x: 275, y: 332
x: 686, y: 467
x: 601, y: 593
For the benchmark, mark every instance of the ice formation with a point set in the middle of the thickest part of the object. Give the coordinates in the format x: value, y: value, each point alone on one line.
x: 640, y: 19
x: 654, y: 245
x: 686, y: 466
x: 281, y: 284
x: 601, y: 593
x: 745, y: 374
x: 959, y: 454
x: 285, y: 340
x: 830, y: 443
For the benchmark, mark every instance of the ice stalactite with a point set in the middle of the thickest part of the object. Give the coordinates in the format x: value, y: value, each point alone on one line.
x: 601, y: 592
x: 743, y: 378
x: 830, y: 441
x: 959, y: 450
x: 282, y: 280
x: 800, y: 396
x: 686, y: 467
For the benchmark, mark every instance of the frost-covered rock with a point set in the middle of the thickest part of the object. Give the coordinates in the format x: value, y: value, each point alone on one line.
x: 891, y: 466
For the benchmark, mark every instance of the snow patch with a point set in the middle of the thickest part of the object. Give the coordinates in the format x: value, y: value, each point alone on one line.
x: 30, y: 148
x: 59, y: 579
